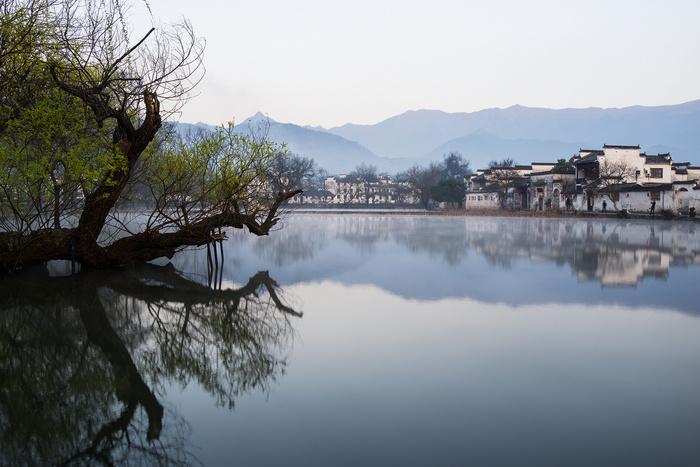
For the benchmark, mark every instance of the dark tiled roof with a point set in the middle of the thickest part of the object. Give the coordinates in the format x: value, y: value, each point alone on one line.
x: 683, y: 182
x: 314, y: 192
x: 347, y: 179
x: 587, y: 159
x: 615, y: 146
x: 660, y: 159
x: 634, y: 187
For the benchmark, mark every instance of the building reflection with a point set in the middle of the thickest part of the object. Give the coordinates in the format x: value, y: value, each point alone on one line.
x: 613, y: 253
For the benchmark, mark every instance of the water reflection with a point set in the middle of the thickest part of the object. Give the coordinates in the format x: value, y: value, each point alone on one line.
x: 426, y: 340
x: 610, y: 251
x: 616, y: 253
x: 85, y: 358
x: 514, y: 260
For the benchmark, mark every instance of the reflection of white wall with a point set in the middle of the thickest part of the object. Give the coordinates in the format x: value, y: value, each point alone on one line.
x: 614, y: 252
x: 626, y: 267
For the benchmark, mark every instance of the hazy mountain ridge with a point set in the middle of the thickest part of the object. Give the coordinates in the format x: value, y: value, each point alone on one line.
x: 331, y: 152
x: 415, y: 133
x: 481, y: 147
x: 525, y: 134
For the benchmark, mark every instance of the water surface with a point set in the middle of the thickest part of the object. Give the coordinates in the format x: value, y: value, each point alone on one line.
x: 368, y: 340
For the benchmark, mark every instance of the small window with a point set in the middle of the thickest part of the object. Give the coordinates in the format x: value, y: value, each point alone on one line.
x: 657, y: 173
x: 656, y: 195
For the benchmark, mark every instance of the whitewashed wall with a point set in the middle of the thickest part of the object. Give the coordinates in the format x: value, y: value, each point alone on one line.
x: 481, y: 200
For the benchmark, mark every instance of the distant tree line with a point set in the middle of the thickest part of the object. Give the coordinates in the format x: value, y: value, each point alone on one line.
x: 438, y: 182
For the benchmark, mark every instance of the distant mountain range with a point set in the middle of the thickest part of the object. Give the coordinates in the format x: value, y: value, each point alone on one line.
x: 521, y: 133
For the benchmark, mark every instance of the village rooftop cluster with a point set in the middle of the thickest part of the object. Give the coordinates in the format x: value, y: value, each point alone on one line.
x: 614, y: 179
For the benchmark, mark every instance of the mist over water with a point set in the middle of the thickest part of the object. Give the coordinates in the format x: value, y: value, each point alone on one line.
x: 491, y: 341
x: 371, y: 339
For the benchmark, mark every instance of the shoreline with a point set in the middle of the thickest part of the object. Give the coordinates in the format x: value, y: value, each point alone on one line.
x: 497, y: 213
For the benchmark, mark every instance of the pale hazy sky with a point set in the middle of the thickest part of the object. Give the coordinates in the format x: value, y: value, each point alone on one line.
x: 330, y: 62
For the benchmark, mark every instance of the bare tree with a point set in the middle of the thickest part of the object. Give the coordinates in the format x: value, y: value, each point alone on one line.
x: 366, y: 175
x: 504, y: 176
x: 367, y: 172
x: 292, y: 171
x: 612, y: 177
x: 421, y: 180
x: 78, y: 121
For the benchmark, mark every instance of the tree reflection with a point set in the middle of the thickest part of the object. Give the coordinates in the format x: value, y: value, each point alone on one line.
x: 440, y: 238
x: 83, y: 360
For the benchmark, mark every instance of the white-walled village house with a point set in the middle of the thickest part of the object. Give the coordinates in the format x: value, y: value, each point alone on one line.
x: 614, y: 178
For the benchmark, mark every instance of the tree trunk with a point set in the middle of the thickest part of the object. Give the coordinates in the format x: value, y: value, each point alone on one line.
x: 99, y: 203
x: 80, y: 244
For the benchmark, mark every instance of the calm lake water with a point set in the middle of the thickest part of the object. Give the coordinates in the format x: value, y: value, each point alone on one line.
x: 367, y: 340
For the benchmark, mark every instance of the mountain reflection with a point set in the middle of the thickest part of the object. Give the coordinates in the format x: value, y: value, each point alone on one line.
x: 83, y: 359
